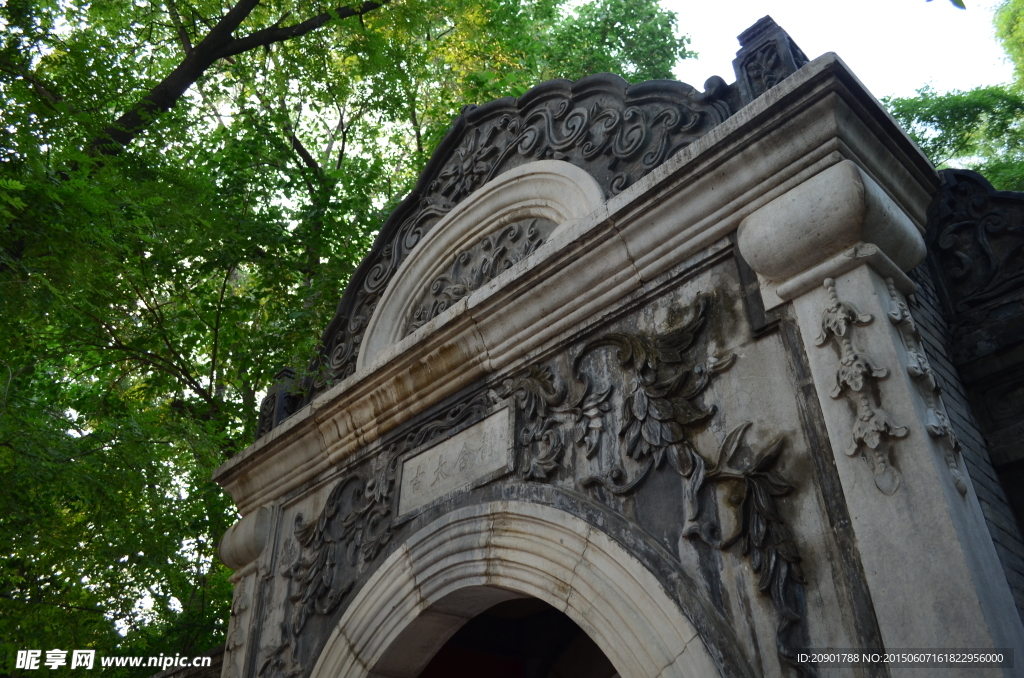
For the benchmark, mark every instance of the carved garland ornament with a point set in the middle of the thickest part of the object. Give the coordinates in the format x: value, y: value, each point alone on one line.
x: 873, y: 427
x: 921, y: 372
x: 659, y: 406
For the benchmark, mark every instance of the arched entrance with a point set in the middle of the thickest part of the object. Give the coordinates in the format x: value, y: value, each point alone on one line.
x: 470, y: 560
x: 520, y: 638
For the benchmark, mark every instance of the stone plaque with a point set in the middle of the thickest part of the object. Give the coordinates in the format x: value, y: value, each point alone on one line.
x: 471, y: 457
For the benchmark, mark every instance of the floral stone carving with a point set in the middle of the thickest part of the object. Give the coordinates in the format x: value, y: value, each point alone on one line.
x: 873, y: 427
x: 478, y: 265
x: 615, y: 131
x: 730, y: 500
x: 920, y: 370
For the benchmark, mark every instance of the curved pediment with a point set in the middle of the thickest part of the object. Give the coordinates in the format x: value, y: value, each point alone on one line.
x: 614, y: 132
x: 500, y: 224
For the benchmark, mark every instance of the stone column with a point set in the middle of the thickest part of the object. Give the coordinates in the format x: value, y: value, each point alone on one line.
x: 836, y: 248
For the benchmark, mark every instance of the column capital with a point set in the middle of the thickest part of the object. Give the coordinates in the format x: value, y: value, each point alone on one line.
x: 831, y: 223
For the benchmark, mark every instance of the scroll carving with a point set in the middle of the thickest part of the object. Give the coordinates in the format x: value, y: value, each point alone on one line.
x: 920, y: 370
x: 978, y: 241
x: 662, y: 377
x: 478, y: 265
x: 873, y: 427
x: 615, y: 131
x: 352, y: 529
x: 549, y: 423
x: 661, y: 401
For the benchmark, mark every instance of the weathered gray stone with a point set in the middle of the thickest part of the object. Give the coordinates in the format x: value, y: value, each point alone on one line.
x: 625, y: 414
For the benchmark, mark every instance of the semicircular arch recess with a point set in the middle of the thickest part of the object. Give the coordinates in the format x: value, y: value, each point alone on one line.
x: 472, y: 558
x: 553, y: 190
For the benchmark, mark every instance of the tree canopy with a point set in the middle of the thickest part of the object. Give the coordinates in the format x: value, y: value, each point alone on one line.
x: 185, y: 187
x: 980, y: 129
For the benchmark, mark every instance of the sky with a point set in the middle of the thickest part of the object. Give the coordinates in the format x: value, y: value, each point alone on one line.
x: 894, y: 46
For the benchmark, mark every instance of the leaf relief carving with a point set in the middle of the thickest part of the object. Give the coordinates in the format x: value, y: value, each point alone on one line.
x: 873, y: 427
x: 731, y: 501
x: 660, y: 403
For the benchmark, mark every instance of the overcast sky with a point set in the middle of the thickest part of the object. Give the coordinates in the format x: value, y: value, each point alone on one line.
x: 894, y: 46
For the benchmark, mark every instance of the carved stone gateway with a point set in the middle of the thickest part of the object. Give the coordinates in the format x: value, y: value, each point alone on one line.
x: 643, y: 357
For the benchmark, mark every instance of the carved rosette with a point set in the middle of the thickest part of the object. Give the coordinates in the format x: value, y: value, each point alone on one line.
x: 873, y: 427
x: 920, y: 370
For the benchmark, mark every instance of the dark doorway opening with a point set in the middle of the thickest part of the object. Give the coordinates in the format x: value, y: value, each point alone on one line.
x: 522, y: 638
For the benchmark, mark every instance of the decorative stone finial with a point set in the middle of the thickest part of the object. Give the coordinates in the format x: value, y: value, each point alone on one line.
x: 767, y: 56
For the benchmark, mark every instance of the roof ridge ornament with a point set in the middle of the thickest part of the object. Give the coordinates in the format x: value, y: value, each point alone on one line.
x: 767, y: 56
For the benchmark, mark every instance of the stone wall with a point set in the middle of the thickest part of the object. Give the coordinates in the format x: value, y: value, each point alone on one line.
x: 1002, y: 522
x: 687, y: 404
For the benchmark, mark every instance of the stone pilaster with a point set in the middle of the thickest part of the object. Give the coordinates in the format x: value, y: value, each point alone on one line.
x: 836, y: 247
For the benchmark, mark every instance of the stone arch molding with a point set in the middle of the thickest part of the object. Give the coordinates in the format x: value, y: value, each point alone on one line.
x: 477, y: 556
x: 507, y: 211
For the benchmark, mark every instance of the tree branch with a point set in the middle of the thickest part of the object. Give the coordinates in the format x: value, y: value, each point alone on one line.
x: 51, y: 99
x: 179, y: 27
x: 269, y: 36
x: 218, y: 44
x: 216, y: 331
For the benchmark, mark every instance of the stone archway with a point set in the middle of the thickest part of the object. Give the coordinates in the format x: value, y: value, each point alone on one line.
x: 520, y: 638
x: 476, y: 557
x: 539, y: 384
